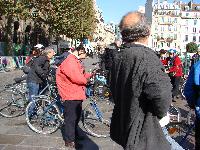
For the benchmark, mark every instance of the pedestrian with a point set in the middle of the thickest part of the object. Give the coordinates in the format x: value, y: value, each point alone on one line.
x: 38, y: 73
x: 175, y: 72
x: 140, y: 88
x: 162, y: 56
x: 71, y: 80
x: 195, y: 57
x: 192, y: 95
x: 34, y: 52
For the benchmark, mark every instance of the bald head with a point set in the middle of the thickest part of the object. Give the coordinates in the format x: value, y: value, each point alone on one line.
x: 130, y: 19
x: 134, y: 26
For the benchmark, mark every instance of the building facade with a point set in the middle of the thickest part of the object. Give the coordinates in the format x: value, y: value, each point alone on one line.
x: 174, y: 25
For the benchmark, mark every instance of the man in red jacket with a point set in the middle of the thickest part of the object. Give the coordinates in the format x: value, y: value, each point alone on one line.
x: 71, y: 81
x: 175, y: 71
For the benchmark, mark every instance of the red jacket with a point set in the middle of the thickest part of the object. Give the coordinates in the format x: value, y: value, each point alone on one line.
x: 71, y: 79
x: 176, y: 67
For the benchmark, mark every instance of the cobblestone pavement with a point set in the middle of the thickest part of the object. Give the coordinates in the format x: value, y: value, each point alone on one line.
x: 15, y: 134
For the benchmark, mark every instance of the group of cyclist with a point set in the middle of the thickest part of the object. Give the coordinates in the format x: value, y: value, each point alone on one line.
x: 173, y: 67
x: 71, y: 80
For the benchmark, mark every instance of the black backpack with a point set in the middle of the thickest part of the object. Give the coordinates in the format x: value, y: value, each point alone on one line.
x: 61, y: 58
x: 27, y: 67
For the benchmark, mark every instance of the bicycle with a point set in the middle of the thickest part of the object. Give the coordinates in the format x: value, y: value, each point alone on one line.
x: 45, y: 116
x: 13, y: 99
x: 99, y: 80
x: 180, y: 130
x: 182, y: 86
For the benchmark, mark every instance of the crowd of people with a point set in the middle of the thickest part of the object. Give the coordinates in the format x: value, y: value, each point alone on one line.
x: 143, y: 87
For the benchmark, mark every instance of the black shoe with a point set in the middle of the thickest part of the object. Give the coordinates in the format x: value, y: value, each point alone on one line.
x: 70, y: 144
x: 78, y: 146
x: 80, y: 138
x: 173, y: 100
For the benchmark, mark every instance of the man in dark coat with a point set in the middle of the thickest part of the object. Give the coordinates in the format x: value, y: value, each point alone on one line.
x: 141, y: 90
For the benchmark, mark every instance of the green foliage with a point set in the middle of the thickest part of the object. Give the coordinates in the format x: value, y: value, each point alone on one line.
x: 191, y: 47
x: 73, y: 18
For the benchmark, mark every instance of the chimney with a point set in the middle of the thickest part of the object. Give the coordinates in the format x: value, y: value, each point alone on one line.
x: 190, y: 4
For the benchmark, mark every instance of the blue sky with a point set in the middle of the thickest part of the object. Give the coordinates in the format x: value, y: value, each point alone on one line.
x: 113, y: 10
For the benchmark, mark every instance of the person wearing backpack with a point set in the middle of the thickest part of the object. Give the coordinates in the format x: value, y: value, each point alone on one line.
x: 71, y: 80
x: 192, y: 94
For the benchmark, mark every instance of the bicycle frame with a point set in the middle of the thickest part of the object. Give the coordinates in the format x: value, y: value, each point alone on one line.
x: 96, y: 109
x: 54, y: 102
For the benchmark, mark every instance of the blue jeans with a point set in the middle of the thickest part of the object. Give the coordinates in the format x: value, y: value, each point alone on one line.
x: 173, y: 143
x: 33, y: 89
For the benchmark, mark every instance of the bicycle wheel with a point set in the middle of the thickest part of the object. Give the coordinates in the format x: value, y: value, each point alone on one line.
x: 42, y: 117
x: 12, y: 103
x: 93, y: 125
x: 182, y: 90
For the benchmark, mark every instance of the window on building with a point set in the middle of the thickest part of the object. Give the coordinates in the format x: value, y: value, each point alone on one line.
x: 175, y: 36
x: 175, y: 45
x: 186, y: 22
x: 169, y: 28
x: 199, y: 38
x: 194, y: 30
x: 161, y: 35
x: 175, y: 28
x: 194, y: 38
x: 186, y: 29
x: 163, y: 19
x: 186, y: 38
x: 187, y: 14
x: 195, y: 22
x: 169, y: 20
x: 162, y: 44
x: 186, y: 7
x: 175, y: 20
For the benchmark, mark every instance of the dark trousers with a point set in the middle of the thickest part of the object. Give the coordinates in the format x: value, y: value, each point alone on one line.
x: 175, y: 81
x: 197, y: 134
x: 72, y: 114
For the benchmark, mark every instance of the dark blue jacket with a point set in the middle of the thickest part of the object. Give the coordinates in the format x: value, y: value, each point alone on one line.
x: 192, y: 85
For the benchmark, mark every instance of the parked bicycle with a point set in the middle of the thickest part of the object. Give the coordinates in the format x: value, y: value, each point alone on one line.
x: 45, y: 116
x: 13, y: 99
x: 101, y: 88
x: 181, y: 129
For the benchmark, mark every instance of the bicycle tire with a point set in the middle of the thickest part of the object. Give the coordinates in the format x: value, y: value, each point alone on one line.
x: 182, y: 89
x: 93, y: 125
x: 12, y: 103
x: 39, y: 122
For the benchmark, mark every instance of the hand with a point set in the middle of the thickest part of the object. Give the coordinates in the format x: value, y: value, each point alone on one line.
x: 166, y: 71
x: 88, y: 80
